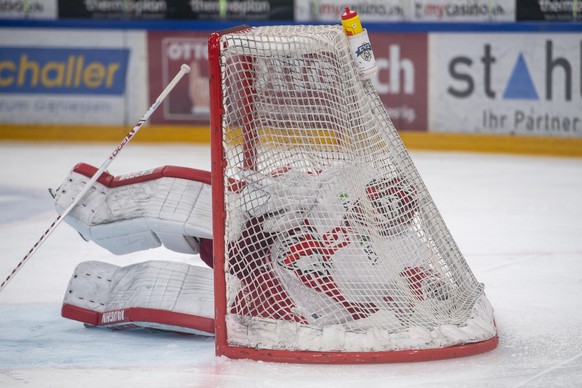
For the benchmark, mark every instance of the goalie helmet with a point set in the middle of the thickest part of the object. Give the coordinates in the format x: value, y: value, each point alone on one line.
x: 388, y: 206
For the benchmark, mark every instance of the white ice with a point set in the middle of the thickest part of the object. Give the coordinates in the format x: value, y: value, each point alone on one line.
x: 517, y: 219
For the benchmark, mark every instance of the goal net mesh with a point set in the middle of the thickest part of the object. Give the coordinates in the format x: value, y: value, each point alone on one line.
x: 332, y: 242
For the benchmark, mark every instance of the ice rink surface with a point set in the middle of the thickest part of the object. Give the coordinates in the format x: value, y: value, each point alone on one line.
x: 517, y: 219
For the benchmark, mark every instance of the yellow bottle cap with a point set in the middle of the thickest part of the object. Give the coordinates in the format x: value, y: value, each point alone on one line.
x: 351, y: 22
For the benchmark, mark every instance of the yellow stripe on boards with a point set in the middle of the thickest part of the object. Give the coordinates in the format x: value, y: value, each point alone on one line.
x: 100, y: 133
x: 511, y: 144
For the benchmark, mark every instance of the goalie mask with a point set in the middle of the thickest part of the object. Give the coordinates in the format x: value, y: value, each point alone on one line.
x: 388, y: 206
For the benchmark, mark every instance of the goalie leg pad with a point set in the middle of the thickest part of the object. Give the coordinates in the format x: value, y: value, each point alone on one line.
x: 158, y: 295
x: 170, y: 206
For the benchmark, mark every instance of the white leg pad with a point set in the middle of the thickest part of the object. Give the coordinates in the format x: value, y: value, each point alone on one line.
x: 159, y: 295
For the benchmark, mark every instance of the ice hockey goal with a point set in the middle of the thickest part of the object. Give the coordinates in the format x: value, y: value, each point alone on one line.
x: 328, y: 246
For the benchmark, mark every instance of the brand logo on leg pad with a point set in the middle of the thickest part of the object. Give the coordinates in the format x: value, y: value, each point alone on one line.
x: 113, y: 316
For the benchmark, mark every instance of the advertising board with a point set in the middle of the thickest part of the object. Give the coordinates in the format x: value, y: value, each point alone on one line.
x: 551, y: 10
x: 189, y: 101
x: 401, y: 79
x: 407, y: 10
x: 28, y: 9
x: 331, y: 10
x: 47, y: 77
x: 510, y: 83
x: 177, y: 9
x: 242, y: 9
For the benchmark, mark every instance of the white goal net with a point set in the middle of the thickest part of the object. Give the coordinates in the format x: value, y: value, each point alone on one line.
x: 326, y: 238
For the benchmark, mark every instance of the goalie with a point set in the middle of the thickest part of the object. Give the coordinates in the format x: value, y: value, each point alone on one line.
x: 302, y: 233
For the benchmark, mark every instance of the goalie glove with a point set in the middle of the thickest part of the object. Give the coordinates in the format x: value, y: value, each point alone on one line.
x: 282, y: 199
x: 170, y: 206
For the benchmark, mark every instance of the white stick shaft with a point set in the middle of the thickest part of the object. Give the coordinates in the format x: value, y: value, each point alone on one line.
x: 184, y: 69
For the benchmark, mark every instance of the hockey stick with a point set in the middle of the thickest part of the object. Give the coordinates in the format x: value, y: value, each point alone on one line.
x: 184, y: 69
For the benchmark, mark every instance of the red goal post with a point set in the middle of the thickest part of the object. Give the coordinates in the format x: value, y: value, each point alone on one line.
x: 327, y: 245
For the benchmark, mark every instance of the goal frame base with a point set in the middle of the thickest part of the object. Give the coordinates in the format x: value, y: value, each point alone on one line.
x: 400, y: 356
